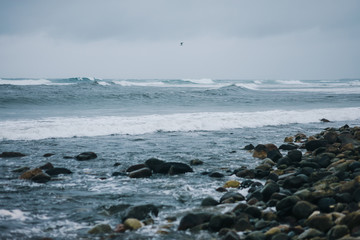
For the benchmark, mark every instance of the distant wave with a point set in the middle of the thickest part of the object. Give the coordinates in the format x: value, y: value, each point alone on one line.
x: 65, y: 127
x: 30, y: 82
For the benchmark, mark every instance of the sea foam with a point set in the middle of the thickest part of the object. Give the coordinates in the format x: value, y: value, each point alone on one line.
x: 64, y: 127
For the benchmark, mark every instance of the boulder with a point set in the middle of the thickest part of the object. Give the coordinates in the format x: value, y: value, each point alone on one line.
x: 232, y: 184
x: 135, y: 167
x: 209, y: 201
x: 288, y: 147
x: 351, y: 220
x: 310, y: 234
x: 303, y: 209
x: 141, y: 212
x: 57, y: 171
x: 86, y: 156
x: 338, y: 231
x: 294, y: 155
x: 28, y: 175
x: 41, y: 178
x: 260, y: 151
x: 216, y: 175
x: 269, y: 189
x: 321, y: 222
x: 285, y: 205
x: 191, y: 220
x: 220, y: 221
x: 100, y: 229
x: 47, y: 166
x: 196, y: 162
x: 11, y: 155
x: 159, y: 166
x: 48, y: 155
x: 256, y: 235
x: 314, y: 144
x: 232, y: 197
x: 141, y: 173
x: 132, y: 224
x: 249, y: 147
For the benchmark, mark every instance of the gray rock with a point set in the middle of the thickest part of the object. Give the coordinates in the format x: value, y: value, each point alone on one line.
x: 337, y: 232
x: 141, y: 173
x: 191, y: 220
x: 86, y: 156
x: 303, y: 209
x: 220, y: 221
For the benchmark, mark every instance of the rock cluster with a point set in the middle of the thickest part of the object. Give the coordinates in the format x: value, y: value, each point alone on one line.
x: 311, y: 193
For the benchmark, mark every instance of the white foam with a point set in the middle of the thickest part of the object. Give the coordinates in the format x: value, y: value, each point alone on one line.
x: 290, y: 82
x: 15, y: 214
x: 139, y: 84
x: 200, y: 81
x: 207, y: 121
x: 26, y: 82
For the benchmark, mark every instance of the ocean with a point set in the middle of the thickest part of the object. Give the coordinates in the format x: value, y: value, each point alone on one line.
x: 127, y: 121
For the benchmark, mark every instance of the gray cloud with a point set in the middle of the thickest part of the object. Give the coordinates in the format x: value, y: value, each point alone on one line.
x: 139, y: 38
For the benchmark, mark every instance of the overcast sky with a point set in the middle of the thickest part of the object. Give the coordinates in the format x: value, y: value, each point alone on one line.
x: 229, y: 39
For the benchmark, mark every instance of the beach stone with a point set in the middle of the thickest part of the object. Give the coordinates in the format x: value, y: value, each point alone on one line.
x: 243, y: 224
x: 11, y: 155
x: 100, y: 229
x: 232, y: 184
x: 331, y: 136
x: 85, y: 156
x: 325, y: 204
x: 57, y: 171
x: 209, y: 201
x: 135, y: 167
x: 28, y: 175
x: 133, y: 224
x: 303, y: 209
x: 260, y: 151
x: 249, y: 147
x: 41, y: 178
x: 232, y: 197
x: 220, y: 221
x: 256, y: 235
x: 310, y: 234
x: 280, y: 236
x: 141, y: 173
x: 356, y: 195
x: 338, y: 231
x: 314, y: 144
x: 20, y: 170
x: 191, y: 220
x: 322, y: 222
x: 268, y: 190
x: 141, y: 212
x: 288, y: 147
x: 274, y: 154
x: 295, y: 155
x: 47, y: 166
x: 196, y: 162
x: 289, y: 139
x: 295, y: 181
x: 216, y: 175
x: 253, y: 211
x: 352, y: 220
x: 285, y: 205
x: 171, y: 168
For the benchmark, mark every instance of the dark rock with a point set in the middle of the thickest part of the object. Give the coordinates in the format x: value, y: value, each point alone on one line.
x: 209, y: 201
x: 303, y: 209
x: 86, y: 156
x: 280, y: 236
x: 47, y: 166
x: 11, y: 155
x: 269, y: 189
x: 154, y: 164
x: 191, y: 220
x: 41, y: 178
x: 220, y: 221
x: 159, y: 166
x: 351, y: 220
x: 284, y: 161
x: 100, y: 229
x: 320, y: 222
x: 353, y: 166
x: 243, y: 224
x: 325, y: 204
x: 324, y: 120
x: 273, y: 176
x: 285, y: 205
x: 231, y: 197
x: 253, y: 211
x: 256, y: 235
x: 141, y: 212
x: 310, y: 233
x: 331, y: 137
x: 57, y: 171
x: 343, y: 197
x: 249, y: 147
x: 196, y: 162
x: 255, y: 195
x: 288, y: 147
x: 295, y: 181
x: 28, y: 175
x: 48, y: 155
x: 295, y: 155
x: 135, y: 167
x: 216, y: 175
x: 356, y: 195
x: 260, y: 151
x: 323, y: 161
x: 338, y: 231
x: 314, y: 144
x: 141, y: 173
x: 246, y: 183
x: 20, y: 170
x: 246, y: 173
x: 274, y: 155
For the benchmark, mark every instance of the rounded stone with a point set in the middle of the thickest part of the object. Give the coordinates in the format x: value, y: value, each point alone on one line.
x: 132, y: 224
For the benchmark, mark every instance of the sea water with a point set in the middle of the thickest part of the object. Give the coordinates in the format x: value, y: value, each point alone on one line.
x: 126, y: 122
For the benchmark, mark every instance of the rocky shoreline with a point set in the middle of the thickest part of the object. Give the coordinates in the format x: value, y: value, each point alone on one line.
x: 307, y: 188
